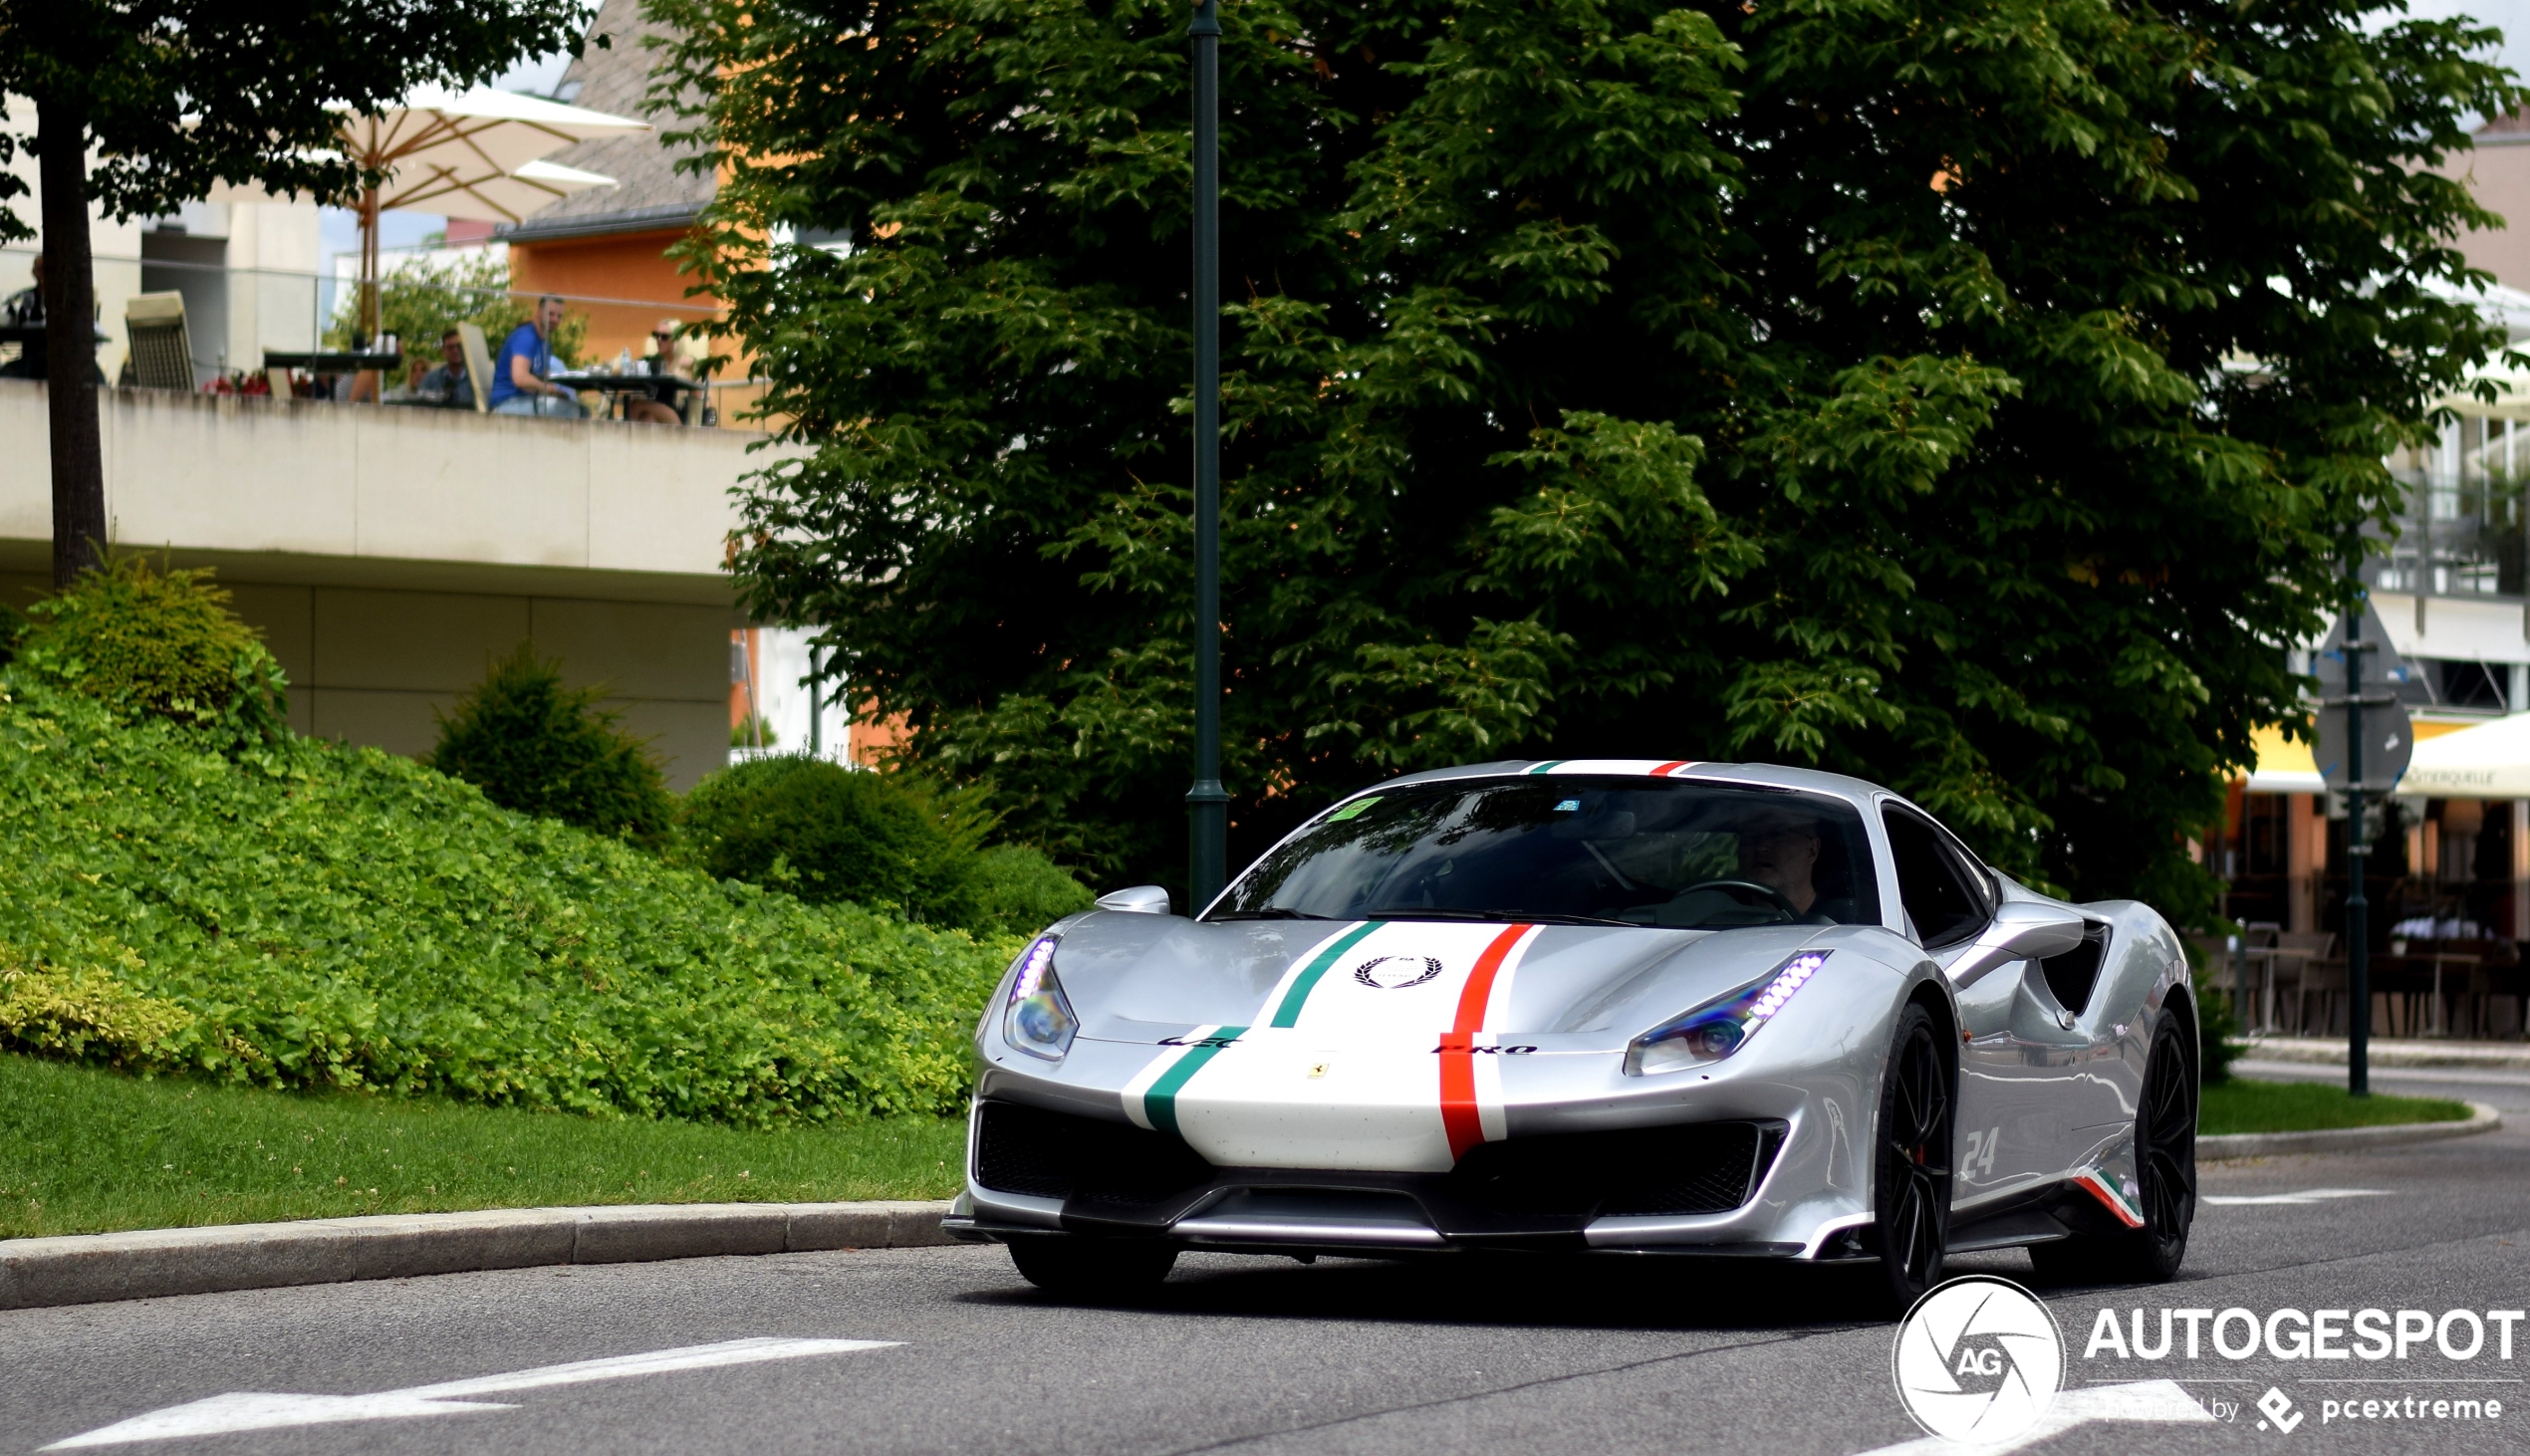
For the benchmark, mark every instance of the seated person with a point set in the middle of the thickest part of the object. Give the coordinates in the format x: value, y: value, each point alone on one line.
x: 1779, y: 849
x: 448, y: 386
x: 25, y: 310
x: 662, y: 360
x: 522, y: 376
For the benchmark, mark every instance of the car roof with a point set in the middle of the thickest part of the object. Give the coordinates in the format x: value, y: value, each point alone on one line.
x: 1773, y: 776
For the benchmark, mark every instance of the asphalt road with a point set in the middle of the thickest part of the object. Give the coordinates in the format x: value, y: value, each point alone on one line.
x: 1268, y: 1356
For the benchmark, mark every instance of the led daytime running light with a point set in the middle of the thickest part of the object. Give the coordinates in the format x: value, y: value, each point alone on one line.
x: 1038, y: 1020
x: 1716, y: 1030
x: 1788, y: 980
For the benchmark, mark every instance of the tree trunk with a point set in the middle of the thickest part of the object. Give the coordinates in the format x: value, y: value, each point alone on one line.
x: 70, y: 349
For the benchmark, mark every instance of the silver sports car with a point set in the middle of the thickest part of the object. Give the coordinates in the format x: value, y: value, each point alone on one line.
x: 1726, y: 1010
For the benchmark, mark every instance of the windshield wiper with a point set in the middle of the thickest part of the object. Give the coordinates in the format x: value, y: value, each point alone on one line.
x: 1494, y: 918
x: 1270, y: 912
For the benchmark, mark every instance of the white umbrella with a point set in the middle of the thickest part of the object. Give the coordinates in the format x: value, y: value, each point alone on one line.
x: 2489, y: 761
x: 475, y: 155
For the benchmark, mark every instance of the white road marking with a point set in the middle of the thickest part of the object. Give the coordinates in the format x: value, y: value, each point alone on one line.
x: 2145, y: 1401
x: 256, y: 1411
x: 2307, y: 1195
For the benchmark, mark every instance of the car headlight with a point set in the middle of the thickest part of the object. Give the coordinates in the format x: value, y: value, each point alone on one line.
x: 1038, y: 1019
x: 1721, y: 1026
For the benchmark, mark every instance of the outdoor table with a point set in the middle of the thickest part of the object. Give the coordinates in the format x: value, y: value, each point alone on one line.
x: 615, y: 385
x: 329, y: 363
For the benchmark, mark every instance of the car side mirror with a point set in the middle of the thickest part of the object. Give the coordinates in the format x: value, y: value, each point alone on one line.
x: 2020, y: 931
x: 1141, y: 900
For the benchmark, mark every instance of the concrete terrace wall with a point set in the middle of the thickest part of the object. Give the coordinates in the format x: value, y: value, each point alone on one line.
x: 389, y: 553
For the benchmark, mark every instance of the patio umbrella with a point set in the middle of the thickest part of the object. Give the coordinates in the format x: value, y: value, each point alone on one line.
x: 2488, y: 761
x: 476, y: 155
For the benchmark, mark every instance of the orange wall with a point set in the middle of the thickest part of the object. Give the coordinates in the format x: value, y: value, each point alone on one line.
x: 632, y: 266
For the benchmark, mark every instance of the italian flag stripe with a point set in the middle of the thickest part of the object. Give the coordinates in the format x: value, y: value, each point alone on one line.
x: 1159, y: 1104
x: 2107, y: 1192
x: 1288, y: 1013
x: 1460, y: 1119
x: 1549, y: 764
x: 1665, y: 770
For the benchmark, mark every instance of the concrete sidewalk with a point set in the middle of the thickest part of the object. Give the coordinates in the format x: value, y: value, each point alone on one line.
x: 147, y: 1264
x: 2385, y: 1051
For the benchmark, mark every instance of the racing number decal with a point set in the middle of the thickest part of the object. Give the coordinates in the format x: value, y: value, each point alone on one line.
x: 1461, y: 1113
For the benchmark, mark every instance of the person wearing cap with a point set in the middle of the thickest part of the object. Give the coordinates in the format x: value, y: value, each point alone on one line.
x: 662, y: 361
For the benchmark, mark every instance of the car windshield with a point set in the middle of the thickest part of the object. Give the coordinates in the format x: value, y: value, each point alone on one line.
x: 1572, y: 850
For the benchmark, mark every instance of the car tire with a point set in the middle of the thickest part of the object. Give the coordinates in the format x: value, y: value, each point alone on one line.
x: 1092, y: 1268
x: 2166, y: 1170
x: 1910, y: 1183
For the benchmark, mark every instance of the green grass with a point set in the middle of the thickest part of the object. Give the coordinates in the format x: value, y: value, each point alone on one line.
x: 2242, y: 1105
x: 86, y: 1150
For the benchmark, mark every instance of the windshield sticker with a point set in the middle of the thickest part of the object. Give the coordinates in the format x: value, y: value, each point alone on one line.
x: 1567, y: 805
x: 1350, y: 810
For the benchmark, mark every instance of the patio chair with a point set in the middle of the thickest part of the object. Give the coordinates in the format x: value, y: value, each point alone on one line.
x: 161, y: 352
x: 2325, y: 979
x: 478, y: 366
x: 2288, y: 961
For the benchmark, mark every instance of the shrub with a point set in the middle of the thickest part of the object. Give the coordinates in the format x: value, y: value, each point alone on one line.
x: 533, y: 745
x: 829, y: 835
x: 158, y: 642
x: 326, y: 916
x: 1020, y: 891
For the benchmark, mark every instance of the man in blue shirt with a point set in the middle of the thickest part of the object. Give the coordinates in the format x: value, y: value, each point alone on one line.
x: 522, y: 374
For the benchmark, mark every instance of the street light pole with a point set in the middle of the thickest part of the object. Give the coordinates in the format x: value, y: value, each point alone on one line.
x: 1207, y: 804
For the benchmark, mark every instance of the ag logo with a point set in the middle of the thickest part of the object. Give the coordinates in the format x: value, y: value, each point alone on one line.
x: 1978, y: 1359
x: 1395, y: 972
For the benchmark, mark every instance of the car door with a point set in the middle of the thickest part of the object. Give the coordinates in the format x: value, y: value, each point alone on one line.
x: 2012, y: 1128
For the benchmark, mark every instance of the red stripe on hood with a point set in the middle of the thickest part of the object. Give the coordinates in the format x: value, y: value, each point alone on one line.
x: 1459, y: 1118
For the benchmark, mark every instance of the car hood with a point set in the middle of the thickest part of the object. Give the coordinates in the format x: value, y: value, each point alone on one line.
x: 1558, y: 988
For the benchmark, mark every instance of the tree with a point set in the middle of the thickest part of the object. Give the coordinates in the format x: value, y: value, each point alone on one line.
x: 1973, y: 395
x: 175, y: 96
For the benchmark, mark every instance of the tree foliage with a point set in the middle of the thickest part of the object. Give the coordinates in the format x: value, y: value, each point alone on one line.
x: 178, y: 94
x: 1969, y: 395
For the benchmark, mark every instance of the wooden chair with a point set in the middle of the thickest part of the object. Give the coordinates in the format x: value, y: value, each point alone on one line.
x: 161, y: 352
x: 478, y: 366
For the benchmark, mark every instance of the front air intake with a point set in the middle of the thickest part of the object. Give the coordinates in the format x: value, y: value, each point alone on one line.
x: 1701, y: 1167
x: 1046, y: 1154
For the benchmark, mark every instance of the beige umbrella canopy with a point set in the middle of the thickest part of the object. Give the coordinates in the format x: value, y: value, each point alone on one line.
x: 477, y: 154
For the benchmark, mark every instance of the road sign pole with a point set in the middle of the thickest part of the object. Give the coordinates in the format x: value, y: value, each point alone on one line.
x: 1207, y: 804
x: 2358, y: 857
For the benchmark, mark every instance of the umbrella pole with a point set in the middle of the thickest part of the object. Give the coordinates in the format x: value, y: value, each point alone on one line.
x: 369, y: 264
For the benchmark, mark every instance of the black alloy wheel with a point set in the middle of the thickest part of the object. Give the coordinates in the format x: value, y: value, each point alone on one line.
x: 2165, y: 1168
x: 1912, y: 1186
x: 1092, y: 1269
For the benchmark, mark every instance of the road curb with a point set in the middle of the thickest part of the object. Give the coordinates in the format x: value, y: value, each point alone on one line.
x: 2230, y: 1145
x: 84, y: 1268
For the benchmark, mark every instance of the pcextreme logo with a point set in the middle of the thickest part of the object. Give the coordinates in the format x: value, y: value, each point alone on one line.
x: 1978, y: 1359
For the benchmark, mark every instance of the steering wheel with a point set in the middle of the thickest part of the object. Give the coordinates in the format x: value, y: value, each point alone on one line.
x: 1781, y: 902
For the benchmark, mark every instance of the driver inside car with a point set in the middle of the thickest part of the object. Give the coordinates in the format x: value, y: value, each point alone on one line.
x: 1780, y: 850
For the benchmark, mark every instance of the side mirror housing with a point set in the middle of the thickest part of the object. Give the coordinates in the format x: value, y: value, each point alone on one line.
x: 1141, y: 900
x: 2022, y: 930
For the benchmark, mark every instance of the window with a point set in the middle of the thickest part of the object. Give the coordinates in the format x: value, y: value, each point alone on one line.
x: 1616, y: 849
x: 1943, y: 895
x: 2478, y: 686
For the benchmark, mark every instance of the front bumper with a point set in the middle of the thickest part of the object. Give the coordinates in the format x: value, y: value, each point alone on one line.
x: 1692, y: 1188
